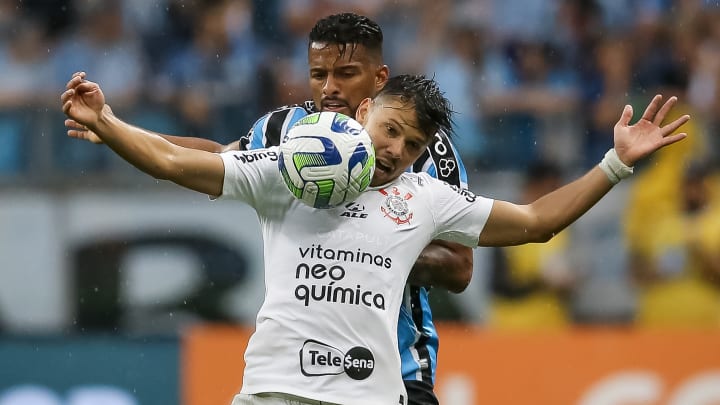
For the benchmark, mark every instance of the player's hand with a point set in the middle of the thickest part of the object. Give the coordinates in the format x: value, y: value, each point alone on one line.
x: 79, y: 131
x: 83, y: 101
x: 634, y: 142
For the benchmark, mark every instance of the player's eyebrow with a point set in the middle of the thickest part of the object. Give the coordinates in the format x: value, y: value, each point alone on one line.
x: 401, y: 122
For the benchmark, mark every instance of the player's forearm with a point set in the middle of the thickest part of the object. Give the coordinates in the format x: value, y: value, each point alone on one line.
x: 510, y: 224
x: 194, y: 169
x: 144, y: 150
x: 443, y: 264
x: 560, y: 208
x: 194, y: 143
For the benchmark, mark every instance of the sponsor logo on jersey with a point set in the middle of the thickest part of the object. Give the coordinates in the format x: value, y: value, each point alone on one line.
x: 446, y: 167
x: 469, y: 195
x: 255, y: 156
x: 354, y: 210
x: 319, y: 359
x: 395, y: 205
x: 441, y: 158
x: 321, y: 276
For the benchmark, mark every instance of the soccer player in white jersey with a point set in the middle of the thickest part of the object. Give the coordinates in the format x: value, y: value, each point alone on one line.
x: 345, y: 66
x: 318, y: 348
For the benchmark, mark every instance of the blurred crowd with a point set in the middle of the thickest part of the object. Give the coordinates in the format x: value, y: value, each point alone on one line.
x: 537, y: 84
x: 530, y: 79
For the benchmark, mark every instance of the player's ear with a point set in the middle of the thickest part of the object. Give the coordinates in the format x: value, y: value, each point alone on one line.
x: 381, y: 77
x: 362, y: 110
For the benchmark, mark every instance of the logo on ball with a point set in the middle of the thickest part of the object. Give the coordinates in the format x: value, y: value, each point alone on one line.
x: 327, y: 160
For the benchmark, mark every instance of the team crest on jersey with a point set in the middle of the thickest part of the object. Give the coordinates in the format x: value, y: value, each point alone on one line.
x: 395, y: 205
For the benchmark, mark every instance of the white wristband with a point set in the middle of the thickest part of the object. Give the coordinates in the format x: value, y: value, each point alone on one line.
x: 614, y: 168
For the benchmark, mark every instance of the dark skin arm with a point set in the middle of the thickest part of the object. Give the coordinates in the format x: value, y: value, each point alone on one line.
x: 77, y: 130
x: 443, y: 264
x: 200, y: 143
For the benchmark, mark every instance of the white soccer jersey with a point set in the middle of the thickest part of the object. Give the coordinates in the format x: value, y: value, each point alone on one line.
x: 334, y: 278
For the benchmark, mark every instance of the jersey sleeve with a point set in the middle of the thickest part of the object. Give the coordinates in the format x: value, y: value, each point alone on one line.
x: 442, y: 161
x: 250, y: 175
x: 270, y: 129
x: 459, y: 214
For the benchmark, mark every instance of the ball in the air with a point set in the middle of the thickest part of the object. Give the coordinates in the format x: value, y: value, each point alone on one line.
x: 327, y: 159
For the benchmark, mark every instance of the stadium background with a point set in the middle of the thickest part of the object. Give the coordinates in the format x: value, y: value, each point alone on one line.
x: 118, y: 289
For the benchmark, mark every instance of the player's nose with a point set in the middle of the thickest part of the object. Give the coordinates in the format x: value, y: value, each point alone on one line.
x: 395, y: 148
x: 331, y: 85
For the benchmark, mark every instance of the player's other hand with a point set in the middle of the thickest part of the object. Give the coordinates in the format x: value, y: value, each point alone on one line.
x: 82, y: 101
x: 634, y: 142
x: 79, y: 131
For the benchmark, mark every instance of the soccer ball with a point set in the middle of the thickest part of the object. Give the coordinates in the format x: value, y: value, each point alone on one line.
x: 327, y: 159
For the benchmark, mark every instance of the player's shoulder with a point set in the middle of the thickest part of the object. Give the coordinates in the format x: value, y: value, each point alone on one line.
x: 419, y: 181
x: 307, y: 106
x: 424, y: 183
x: 290, y: 113
x: 442, y: 161
x: 269, y: 129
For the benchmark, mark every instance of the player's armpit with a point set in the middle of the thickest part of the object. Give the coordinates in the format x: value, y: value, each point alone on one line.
x: 443, y: 264
x: 235, y: 145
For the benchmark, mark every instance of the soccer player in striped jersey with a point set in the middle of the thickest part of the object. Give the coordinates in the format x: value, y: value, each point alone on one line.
x: 346, y: 66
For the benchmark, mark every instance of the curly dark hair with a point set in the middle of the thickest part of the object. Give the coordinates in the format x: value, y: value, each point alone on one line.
x: 348, y: 29
x: 433, y: 111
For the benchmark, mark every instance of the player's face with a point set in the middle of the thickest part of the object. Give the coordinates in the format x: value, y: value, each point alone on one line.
x: 340, y: 81
x: 396, y: 136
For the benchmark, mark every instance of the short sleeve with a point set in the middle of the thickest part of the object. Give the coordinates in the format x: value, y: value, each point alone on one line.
x: 250, y: 174
x: 459, y: 214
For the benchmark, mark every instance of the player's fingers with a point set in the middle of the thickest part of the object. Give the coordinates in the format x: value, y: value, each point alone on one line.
x: 668, y: 140
x: 660, y: 116
x: 70, y: 123
x: 66, y: 106
x: 626, y: 116
x: 74, y: 81
x: 74, y: 134
x: 86, y: 86
x: 673, y: 126
x: 67, y: 95
x: 651, y: 109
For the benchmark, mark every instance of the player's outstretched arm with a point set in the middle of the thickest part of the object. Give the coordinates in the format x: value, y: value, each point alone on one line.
x: 443, y: 264
x: 80, y: 131
x: 84, y: 103
x: 510, y: 224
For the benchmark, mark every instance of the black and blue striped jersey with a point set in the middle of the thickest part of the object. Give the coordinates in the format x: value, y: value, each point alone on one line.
x: 417, y: 336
